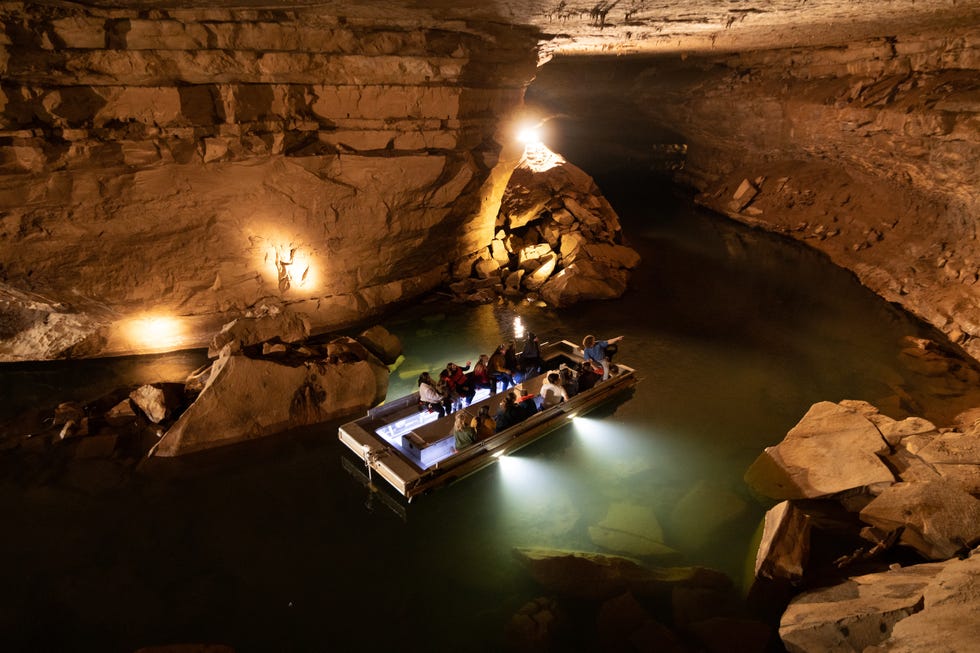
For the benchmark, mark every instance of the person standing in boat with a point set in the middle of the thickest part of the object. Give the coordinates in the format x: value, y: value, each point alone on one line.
x: 463, y: 432
x: 599, y: 352
x: 531, y: 356
x: 431, y: 397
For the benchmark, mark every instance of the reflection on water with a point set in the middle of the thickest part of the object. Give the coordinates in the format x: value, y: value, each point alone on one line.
x: 272, y: 546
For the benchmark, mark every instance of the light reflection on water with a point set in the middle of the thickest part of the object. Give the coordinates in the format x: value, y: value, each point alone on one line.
x: 270, y: 545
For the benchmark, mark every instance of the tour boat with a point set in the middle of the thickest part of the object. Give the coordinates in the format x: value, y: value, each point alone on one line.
x: 414, y: 449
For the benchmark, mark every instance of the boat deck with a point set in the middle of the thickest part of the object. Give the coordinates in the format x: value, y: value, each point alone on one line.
x: 413, y: 449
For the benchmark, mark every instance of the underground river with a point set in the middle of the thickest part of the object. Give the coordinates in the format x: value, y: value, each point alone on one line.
x: 272, y: 545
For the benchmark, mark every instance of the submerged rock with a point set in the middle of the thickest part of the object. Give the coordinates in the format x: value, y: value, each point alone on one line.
x: 631, y: 529
x: 585, y: 575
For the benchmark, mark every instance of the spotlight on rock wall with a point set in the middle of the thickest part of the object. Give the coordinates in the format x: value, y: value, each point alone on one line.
x: 291, y: 266
x: 154, y: 332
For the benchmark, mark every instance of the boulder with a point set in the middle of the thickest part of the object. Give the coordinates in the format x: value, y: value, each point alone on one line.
x: 528, y: 257
x: 584, y: 280
x: 121, y: 414
x: 630, y: 529
x: 594, y: 576
x: 615, y: 256
x: 927, y: 607
x: 247, y: 331
x: 157, y: 401
x: 743, y: 196
x: 68, y: 411
x: 938, y: 518
x: 785, y: 544
x: 952, y: 455
x: 948, y: 618
x: 486, y: 268
x: 380, y: 342
x: 539, y: 275
x: 248, y: 398
x: 832, y: 449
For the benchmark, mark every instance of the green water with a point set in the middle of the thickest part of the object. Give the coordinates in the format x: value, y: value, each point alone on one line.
x: 272, y: 546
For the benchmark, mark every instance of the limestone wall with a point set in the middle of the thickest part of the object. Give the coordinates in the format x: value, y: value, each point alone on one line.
x: 196, y: 164
x: 867, y: 150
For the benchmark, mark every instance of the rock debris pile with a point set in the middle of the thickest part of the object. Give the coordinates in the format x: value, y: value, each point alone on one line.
x: 556, y: 239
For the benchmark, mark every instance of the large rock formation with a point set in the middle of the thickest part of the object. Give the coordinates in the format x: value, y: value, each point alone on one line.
x: 930, y: 607
x: 247, y: 397
x: 190, y: 164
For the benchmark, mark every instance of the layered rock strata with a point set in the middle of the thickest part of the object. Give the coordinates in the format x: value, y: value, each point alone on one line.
x: 190, y: 164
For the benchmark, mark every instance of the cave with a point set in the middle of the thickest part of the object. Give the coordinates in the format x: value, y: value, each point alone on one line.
x: 801, y: 170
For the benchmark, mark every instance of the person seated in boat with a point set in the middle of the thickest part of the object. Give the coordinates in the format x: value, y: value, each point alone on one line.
x: 588, y: 376
x: 480, y: 376
x: 430, y: 397
x: 510, y: 412
x: 530, y: 362
x: 499, y: 372
x: 463, y: 432
x: 460, y: 384
x: 600, y: 352
x: 569, y: 380
x: 484, y: 423
x: 552, y: 393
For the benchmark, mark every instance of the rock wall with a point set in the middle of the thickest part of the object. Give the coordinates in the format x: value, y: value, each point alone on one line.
x: 865, y: 149
x: 188, y: 165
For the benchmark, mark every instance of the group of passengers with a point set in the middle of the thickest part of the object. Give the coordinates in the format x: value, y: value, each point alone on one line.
x: 456, y: 385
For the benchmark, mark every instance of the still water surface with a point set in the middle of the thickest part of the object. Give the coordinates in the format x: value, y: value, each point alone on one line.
x: 272, y: 546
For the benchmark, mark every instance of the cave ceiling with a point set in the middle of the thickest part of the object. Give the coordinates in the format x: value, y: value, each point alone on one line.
x: 621, y: 27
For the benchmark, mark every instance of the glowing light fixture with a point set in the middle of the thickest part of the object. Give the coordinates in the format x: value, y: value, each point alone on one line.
x: 530, y: 134
x: 154, y: 332
x: 291, y: 265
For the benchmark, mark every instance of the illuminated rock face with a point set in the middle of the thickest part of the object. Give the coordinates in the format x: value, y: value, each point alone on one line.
x: 866, y: 149
x: 195, y: 164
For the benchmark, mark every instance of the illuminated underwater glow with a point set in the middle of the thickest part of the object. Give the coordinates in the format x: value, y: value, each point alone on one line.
x: 607, y: 440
